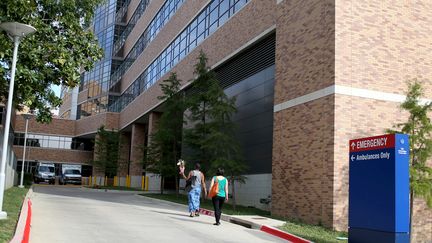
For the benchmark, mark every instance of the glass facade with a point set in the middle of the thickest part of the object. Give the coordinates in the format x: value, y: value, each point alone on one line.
x: 208, y: 20
x: 96, y: 81
x: 161, y: 18
x: 56, y: 142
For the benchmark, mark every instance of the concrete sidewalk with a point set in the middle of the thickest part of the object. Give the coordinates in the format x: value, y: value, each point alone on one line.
x: 265, y: 224
x: 256, y: 222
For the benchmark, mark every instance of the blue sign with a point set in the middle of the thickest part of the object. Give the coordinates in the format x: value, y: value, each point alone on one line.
x: 379, y: 189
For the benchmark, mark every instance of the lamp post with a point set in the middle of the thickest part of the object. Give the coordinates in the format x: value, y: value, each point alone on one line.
x: 16, y: 32
x: 27, y: 117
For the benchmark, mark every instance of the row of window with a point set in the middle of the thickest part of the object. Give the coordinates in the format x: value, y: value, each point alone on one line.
x: 161, y: 18
x: 134, y: 19
x: 212, y: 17
x: 57, y: 142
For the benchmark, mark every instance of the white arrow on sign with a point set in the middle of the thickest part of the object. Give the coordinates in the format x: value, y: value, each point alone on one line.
x: 353, y: 145
x: 352, y: 158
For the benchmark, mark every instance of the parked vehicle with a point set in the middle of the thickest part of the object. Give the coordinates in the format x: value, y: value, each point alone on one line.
x: 45, y: 172
x: 70, y: 174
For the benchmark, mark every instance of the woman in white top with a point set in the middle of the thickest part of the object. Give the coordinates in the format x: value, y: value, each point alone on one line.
x: 197, y: 182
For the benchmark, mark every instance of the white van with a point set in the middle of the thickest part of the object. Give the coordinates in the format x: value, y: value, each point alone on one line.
x: 70, y: 174
x: 45, y: 172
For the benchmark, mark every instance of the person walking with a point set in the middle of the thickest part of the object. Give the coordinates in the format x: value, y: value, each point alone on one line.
x: 197, y: 182
x: 222, y: 194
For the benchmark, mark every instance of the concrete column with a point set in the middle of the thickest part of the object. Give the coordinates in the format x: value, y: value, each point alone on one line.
x: 97, y: 171
x: 152, y: 126
x: 124, y: 154
x: 137, y: 146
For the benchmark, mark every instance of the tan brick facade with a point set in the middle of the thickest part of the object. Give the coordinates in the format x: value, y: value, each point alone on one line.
x: 125, y: 146
x: 302, y: 169
x: 54, y: 155
x: 90, y: 125
x: 379, y: 47
x: 355, y: 44
x: 137, y: 149
x: 57, y: 126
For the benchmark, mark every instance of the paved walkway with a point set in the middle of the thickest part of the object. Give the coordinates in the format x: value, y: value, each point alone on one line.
x: 68, y: 214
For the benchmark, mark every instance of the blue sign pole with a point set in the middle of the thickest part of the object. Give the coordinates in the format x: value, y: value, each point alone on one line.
x: 379, y: 189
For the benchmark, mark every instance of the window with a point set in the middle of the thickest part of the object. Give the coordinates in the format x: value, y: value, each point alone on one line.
x: 211, y: 17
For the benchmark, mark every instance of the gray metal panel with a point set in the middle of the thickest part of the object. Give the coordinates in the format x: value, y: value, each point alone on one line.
x: 254, y: 119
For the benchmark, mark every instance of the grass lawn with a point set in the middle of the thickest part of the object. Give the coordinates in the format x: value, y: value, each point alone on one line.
x: 314, y: 233
x: 311, y: 232
x: 12, y: 202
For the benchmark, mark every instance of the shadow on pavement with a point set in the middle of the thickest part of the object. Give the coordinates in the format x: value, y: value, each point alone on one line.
x: 178, y: 214
x: 120, y: 197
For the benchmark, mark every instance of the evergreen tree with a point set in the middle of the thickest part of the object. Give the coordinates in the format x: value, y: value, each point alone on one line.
x: 165, y: 146
x: 212, y: 139
x: 419, y: 129
x: 106, y: 148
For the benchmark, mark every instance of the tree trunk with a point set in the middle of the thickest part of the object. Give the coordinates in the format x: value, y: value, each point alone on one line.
x: 175, y: 164
x: 233, y: 194
x: 162, y: 184
x: 177, y: 185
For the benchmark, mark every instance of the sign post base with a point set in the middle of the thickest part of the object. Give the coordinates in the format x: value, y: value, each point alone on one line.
x: 366, y: 235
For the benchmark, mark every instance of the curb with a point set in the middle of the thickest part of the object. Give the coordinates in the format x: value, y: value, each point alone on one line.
x: 22, y: 231
x: 232, y: 219
x: 267, y: 229
x: 284, y: 235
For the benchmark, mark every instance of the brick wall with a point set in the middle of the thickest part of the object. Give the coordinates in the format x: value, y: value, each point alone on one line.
x: 61, y: 127
x: 91, y: 124
x: 379, y: 46
x: 137, y: 146
x: 303, y: 135
x: 55, y: 155
x: 302, y: 169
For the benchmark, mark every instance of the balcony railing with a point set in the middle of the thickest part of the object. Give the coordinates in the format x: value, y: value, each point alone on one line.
x: 122, y: 11
x: 134, y: 19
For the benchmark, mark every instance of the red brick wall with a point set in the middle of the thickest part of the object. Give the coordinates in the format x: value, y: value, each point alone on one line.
x: 91, y: 124
x: 61, y: 127
x: 137, y: 152
x: 55, y: 155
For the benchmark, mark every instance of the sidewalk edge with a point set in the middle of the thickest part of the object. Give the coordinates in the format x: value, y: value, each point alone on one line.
x: 284, y: 235
x: 232, y: 219
x: 22, y: 231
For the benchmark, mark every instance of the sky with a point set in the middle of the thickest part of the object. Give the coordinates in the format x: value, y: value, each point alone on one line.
x: 56, y: 89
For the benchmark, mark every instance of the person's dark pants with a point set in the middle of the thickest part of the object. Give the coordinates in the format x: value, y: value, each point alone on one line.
x: 217, y: 205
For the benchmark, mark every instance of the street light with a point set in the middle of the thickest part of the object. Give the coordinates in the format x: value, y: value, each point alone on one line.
x: 27, y: 117
x: 16, y: 32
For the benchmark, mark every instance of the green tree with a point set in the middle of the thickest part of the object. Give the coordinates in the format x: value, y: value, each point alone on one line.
x: 107, y: 150
x: 419, y: 129
x: 212, y: 135
x: 54, y: 54
x: 165, y: 145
